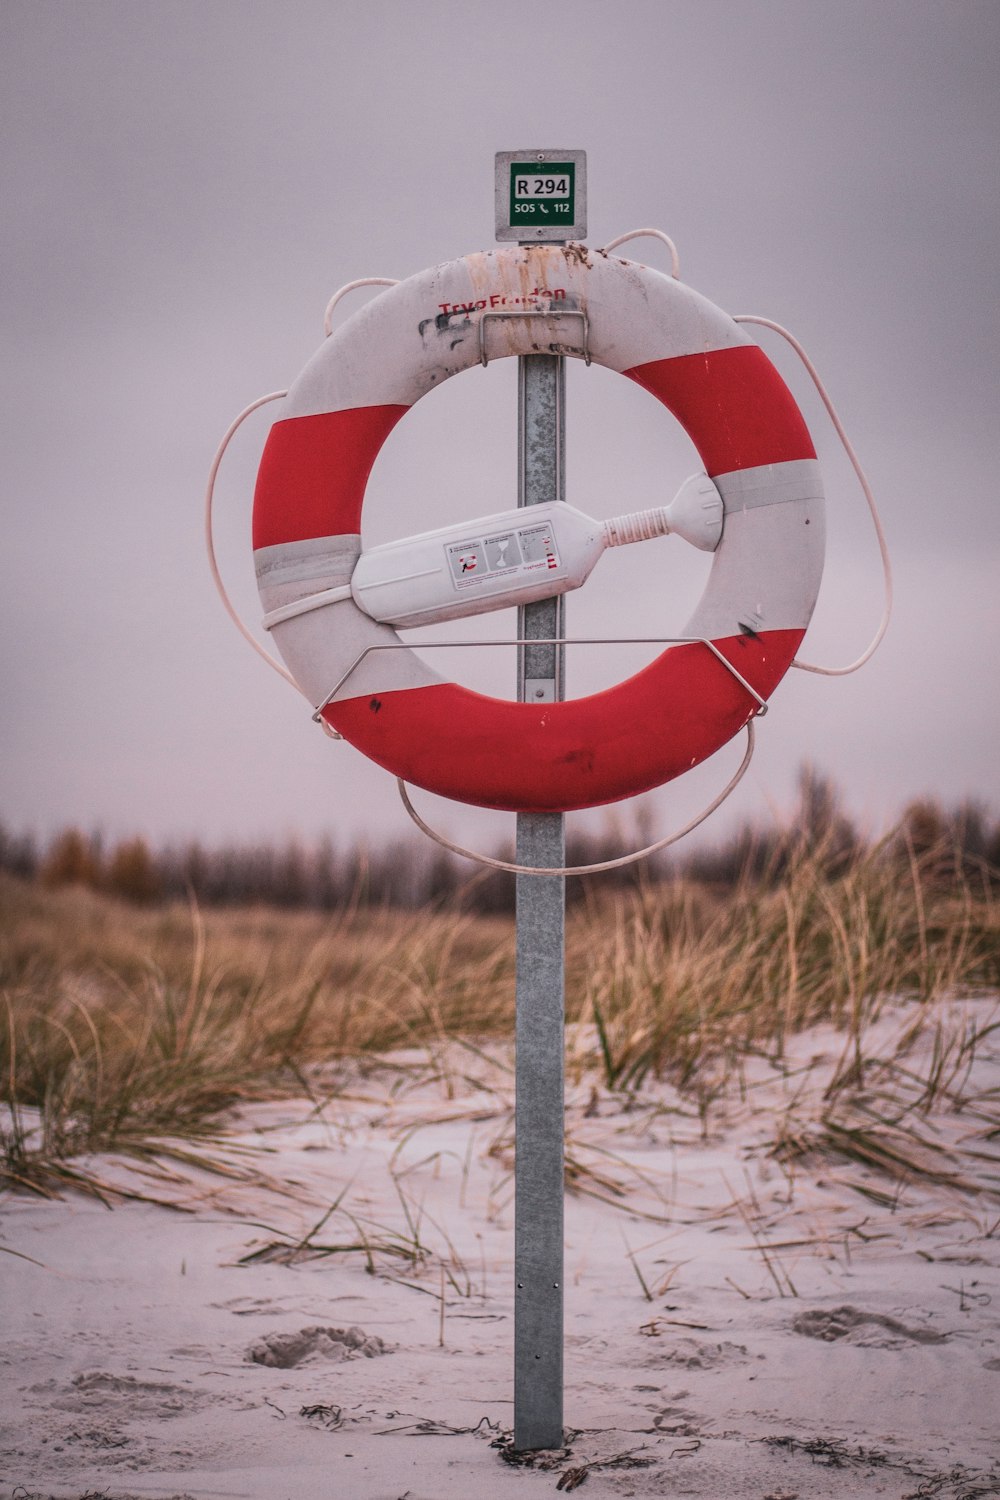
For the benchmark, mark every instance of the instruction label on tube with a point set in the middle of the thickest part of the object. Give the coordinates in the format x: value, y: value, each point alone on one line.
x: 521, y: 552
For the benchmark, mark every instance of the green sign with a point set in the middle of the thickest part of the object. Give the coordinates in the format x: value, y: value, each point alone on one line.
x: 540, y: 197
x: 542, y: 193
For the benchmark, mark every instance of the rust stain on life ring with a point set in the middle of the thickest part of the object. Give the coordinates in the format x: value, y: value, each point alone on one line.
x: 576, y: 254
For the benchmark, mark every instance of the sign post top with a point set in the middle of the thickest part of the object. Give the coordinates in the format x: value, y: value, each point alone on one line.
x: 541, y: 196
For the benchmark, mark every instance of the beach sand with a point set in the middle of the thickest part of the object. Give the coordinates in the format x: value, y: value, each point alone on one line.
x: 735, y: 1326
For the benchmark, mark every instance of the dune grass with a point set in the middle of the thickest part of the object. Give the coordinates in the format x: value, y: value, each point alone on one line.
x: 124, y: 1028
x: 686, y: 980
x: 121, y: 1026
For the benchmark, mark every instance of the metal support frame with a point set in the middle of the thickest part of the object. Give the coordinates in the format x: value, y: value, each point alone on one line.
x: 541, y: 907
x: 535, y: 312
x: 562, y: 640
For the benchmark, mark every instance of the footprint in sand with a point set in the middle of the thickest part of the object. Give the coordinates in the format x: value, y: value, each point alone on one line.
x: 285, y: 1351
x: 868, y: 1330
x: 677, y: 1421
x: 258, y: 1307
x: 691, y: 1355
x: 121, y: 1395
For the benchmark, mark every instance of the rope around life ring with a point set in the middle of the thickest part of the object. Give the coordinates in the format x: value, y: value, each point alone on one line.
x: 693, y: 697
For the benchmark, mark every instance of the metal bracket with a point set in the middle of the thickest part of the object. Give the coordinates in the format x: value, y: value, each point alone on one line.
x: 536, y: 312
x: 581, y: 640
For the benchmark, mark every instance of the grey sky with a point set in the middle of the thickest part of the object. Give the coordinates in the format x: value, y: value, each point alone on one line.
x: 186, y: 183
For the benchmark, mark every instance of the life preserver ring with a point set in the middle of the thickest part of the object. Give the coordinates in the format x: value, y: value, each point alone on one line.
x: 684, y: 705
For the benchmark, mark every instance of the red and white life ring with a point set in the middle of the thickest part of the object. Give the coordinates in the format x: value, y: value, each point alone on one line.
x: 734, y: 406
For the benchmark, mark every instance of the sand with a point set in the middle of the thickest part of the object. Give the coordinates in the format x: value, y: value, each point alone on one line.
x: 734, y: 1327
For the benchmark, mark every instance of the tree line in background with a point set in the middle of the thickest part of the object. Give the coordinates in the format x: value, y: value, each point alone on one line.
x: 961, y: 843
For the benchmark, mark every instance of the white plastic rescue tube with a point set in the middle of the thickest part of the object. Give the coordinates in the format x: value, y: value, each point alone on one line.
x: 701, y: 365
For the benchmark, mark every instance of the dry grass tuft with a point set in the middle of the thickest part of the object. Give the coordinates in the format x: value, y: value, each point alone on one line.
x: 122, y: 1027
x: 683, y: 981
x: 134, y: 1029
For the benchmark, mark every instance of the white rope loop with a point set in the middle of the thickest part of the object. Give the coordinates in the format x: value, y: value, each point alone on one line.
x: 352, y: 286
x: 805, y: 666
x: 605, y: 864
x: 655, y: 234
x: 210, y: 538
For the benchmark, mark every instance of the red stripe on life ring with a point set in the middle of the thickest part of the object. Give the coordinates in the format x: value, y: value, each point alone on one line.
x: 733, y: 405
x: 313, y: 473
x: 559, y: 757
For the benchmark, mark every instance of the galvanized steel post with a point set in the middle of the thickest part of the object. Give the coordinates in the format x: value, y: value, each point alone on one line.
x: 541, y: 903
x: 540, y: 198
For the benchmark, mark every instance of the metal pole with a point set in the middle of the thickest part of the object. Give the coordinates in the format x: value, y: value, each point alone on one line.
x: 541, y: 905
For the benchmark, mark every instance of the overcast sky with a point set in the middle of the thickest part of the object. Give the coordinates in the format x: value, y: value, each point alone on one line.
x: 185, y: 183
